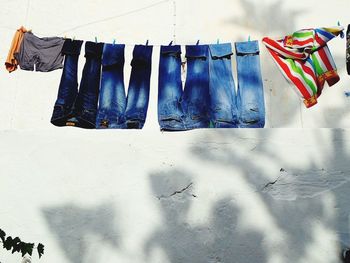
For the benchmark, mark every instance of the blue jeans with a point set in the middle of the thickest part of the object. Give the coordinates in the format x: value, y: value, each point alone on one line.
x: 223, y: 108
x: 139, y: 87
x: 85, y: 106
x: 170, y: 113
x: 250, y: 98
x: 68, y: 88
x: 112, y: 100
x: 195, y: 101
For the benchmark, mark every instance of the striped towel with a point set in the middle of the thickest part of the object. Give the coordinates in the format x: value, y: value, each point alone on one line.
x: 305, y: 60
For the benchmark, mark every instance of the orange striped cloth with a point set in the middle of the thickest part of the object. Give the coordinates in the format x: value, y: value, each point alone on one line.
x: 11, y: 63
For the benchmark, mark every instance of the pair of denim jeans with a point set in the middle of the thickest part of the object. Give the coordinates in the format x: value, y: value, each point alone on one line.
x: 116, y: 110
x: 209, y: 99
x: 75, y: 107
x: 180, y: 109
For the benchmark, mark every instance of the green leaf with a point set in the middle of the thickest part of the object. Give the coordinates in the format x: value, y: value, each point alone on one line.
x: 27, y: 248
x: 40, y: 249
x: 16, y: 247
x: 2, y: 235
x: 8, y: 243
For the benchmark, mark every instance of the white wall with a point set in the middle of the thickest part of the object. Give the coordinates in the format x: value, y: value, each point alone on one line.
x: 272, y: 195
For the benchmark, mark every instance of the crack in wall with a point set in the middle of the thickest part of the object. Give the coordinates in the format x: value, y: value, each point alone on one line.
x: 177, y: 192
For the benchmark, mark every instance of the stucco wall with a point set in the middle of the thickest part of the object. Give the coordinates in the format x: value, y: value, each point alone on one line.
x: 271, y: 195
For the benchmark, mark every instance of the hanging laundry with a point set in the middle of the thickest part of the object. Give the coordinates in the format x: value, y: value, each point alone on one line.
x: 74, y: 108
x: 85, y: 105
x: 11, y: 63
x: 139, y: 87
x: 116, y: 110
x: 250, y: 93
x: 41, y: 54
x: 112, y: 98
x: 223, y: 107
x: 183, y: 109
x: 209, y: 98
x: 68, y: 88
x: 348, y: 50
x: 306, y: 61
x: 170, y: 113
x: 196, y: 100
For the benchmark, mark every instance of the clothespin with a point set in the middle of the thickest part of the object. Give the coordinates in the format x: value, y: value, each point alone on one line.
x: 341, y: 33
x: 218, y: 41
x: 197, y: 42
x: 65, y: 36
x: 95, y: 39
x: 147, y: 42
x: 171, y: 43
x: 74, y: 38
x: 113, y: 41
x: 248, y: 38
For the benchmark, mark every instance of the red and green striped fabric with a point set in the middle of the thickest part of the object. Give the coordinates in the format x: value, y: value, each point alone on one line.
x: 305, y: 60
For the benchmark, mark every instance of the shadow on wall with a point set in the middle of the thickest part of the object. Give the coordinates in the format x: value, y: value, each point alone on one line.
x: 315, y: 191
x: 257, y: 16
x: 217, y: 241
x: 75, y: 227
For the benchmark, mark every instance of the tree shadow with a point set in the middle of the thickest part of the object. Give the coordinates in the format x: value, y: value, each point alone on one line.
x: 257, y: 16
x: 216, y: 241
x: 299, y: 198
x: 75, y: 227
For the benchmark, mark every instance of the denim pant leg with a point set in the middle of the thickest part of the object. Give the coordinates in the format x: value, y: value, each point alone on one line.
x: 170, y: 114
x: 85, y: 107
x: 223, y: 109
x: 68, y: 88
x: 139, y: 87
x: 250, y: 99
x: 112, y: 99
x: 196, y: 92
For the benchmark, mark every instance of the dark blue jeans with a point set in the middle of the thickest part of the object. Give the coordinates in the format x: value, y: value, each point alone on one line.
x: 170, y: 113
x: 68, y: 88
x: 223, y: 108
x: 85, y: 106
x: 250, y: 98
x: 139, y: 87
x: 112, y: 100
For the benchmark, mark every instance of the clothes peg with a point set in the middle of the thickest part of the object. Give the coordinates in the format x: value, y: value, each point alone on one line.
x: 248, y: 38
x: 95, y: 39
x: 338, y: 23
x: 218, y: 41
x: 171, y: 43
x: 197, y: 43
x: 74, y: 38
x: 147, y: 42
x: 113, y: 41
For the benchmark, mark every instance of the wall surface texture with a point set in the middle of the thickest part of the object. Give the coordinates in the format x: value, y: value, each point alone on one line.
x: 275, y: 195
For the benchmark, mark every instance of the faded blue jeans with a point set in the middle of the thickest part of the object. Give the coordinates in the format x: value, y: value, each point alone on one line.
x: 139, y: 87
x: 112, y: 100
x: 250, y: 94
x: 68, y: 88
x: 196, y: 99
x: 223, y: 108
x: 186, y: 109
x: 170, y: 113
